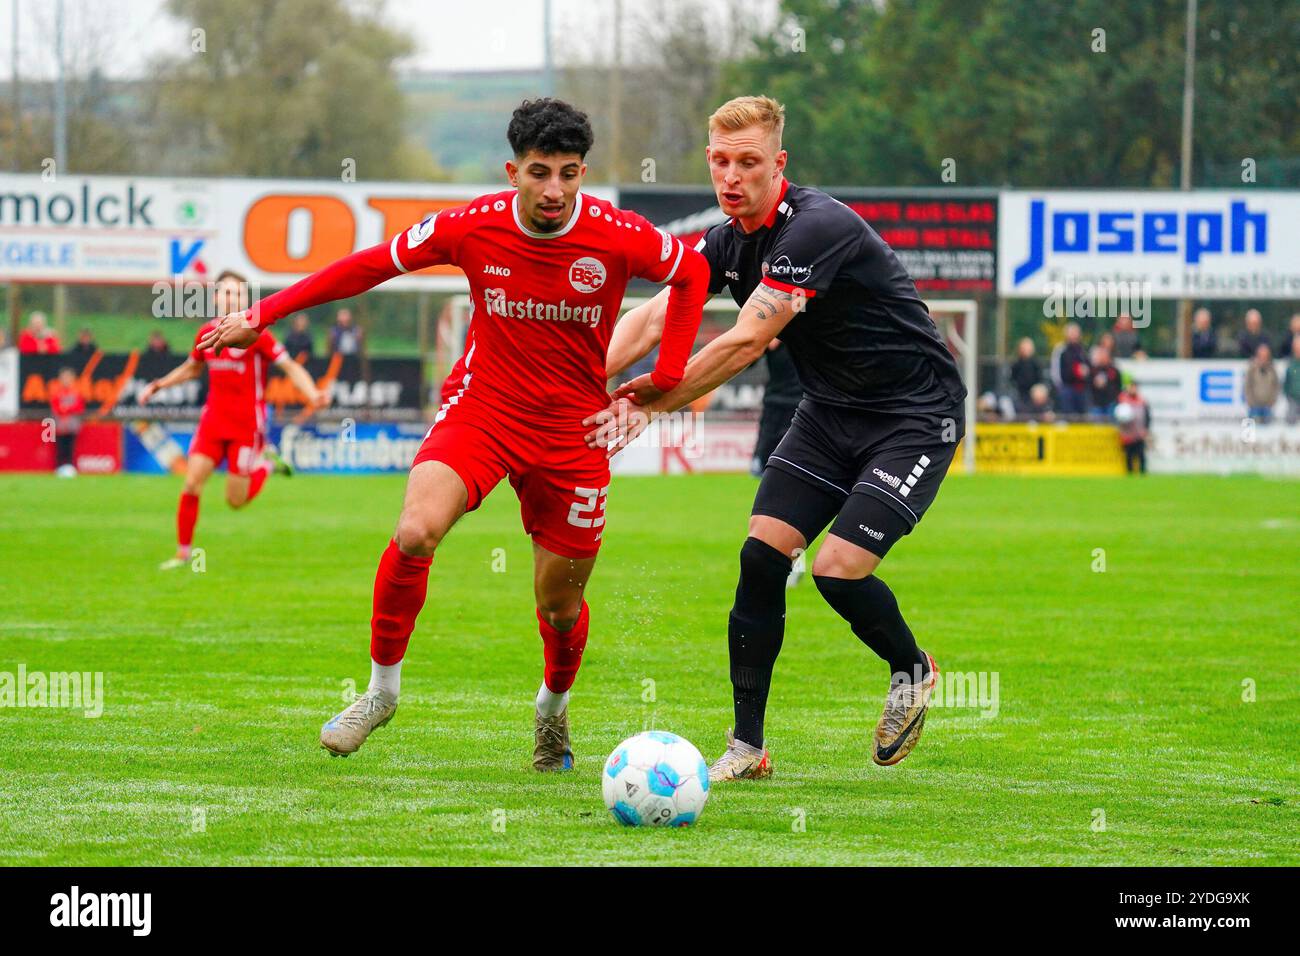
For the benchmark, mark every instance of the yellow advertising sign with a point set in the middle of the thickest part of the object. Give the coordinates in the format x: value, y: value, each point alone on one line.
x: 1028, y: 448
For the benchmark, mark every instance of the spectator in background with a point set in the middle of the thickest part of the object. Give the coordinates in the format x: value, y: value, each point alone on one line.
x: 1026, y: 372
x: 1107, y: 341
x: 85, y: 348
x: 1040, y: 404
x: 1205, y: 343
x: 1252, y: 336
x: 1070, y: 372
x: 345, y: 337
x: 1262, y: 386
x: 1287, y: 341
x: 1291, y: 384
x: 298, y: 343
x: 1127, y: 341
x: 158, y: 344
x: 1133, y: 415
x: 1103, y: 384
x: 37, y: 338
x: 66, y: 407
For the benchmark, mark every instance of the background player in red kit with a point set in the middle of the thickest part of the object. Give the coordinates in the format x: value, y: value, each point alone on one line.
x: 547, y: 267
x: 232, y: 426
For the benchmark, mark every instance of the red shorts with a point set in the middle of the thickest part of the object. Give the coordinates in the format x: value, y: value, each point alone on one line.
x: 560, y: 482
x: 239, y: 452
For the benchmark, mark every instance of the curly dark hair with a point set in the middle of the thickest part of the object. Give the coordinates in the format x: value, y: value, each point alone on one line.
x: 549, y: 126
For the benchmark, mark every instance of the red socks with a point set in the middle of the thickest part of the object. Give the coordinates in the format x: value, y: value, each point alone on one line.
x: 400, y: 586
x: 187, y: 515
x: 257, y: 478
x: 563, y: 651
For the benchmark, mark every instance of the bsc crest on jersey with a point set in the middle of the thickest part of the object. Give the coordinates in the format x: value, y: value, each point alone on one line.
x: 587, y: 274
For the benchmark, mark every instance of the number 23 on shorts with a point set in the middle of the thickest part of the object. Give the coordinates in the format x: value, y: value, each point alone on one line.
x: 589, y: 510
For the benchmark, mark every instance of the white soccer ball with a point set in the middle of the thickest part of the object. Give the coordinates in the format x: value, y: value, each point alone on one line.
x: 1124, y: 413
x: 655, y: 779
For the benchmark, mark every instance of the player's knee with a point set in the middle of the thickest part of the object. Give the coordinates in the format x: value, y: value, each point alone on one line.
x: 560, y: 614
x: 417, y: 536
x: 762, y: 566
x: 236, y: 499
x: 832, y: 562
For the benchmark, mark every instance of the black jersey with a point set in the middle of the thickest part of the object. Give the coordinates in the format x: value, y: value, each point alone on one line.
x: 782, y: 386
x: 864, y: 338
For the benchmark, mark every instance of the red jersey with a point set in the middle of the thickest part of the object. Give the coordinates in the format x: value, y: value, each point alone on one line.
x: 66, y: 402
x: 544, y: 304
x: 236, y: 403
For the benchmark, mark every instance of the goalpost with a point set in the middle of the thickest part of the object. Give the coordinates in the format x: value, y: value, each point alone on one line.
x: 958, y: 321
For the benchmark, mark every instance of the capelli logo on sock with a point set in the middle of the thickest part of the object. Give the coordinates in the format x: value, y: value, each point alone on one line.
x: 133, y: 910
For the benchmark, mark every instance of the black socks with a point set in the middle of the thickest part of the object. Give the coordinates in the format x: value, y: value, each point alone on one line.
x: 754, y: 634
x: 872, y: 612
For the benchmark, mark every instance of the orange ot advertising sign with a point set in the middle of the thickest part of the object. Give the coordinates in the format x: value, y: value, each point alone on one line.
x: 333, y: 229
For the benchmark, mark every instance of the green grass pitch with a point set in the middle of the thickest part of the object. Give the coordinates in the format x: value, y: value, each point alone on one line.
x: 1146, y: 714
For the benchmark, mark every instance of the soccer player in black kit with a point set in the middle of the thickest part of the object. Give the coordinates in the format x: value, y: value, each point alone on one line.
x: 882, y: 413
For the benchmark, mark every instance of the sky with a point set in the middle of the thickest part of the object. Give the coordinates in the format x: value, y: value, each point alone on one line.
x: 450, y: 34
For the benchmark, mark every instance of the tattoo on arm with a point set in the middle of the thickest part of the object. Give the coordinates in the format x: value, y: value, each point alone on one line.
x: 768, y: 302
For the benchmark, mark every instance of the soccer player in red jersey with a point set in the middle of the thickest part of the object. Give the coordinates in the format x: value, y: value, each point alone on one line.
x: 232, y: 426
x: 548, y: 267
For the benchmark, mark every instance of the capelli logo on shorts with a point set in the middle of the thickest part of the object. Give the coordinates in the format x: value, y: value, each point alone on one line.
x: 878, y: 535
x: 892, y: 480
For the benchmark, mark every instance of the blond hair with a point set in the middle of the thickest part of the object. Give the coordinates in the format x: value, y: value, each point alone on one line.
x: 746, y: 111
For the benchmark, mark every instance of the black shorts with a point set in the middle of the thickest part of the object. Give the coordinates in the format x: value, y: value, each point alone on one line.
x: 874, y: 473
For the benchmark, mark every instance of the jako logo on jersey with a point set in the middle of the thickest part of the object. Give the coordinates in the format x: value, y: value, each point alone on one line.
x: 421, y: 231
x: 892, y: 480
x: 587, y: 274
x: 787, y: 271
x: 498, y: 304
x: 496, y: 270
x: 1194, y: 233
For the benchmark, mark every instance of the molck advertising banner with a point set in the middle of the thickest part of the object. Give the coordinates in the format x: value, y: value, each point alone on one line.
x: 947, y: 239
x: 1207, y: 244
x: 141, y: 230
x: 111, y: 385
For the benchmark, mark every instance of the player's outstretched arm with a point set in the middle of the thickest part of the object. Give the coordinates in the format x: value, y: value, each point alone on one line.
x: 767, y: 311
x: 187, y: 370
x: 343, y: 279
x: 301, y: 380
x: 688, y: 291
x: 636, y: 334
